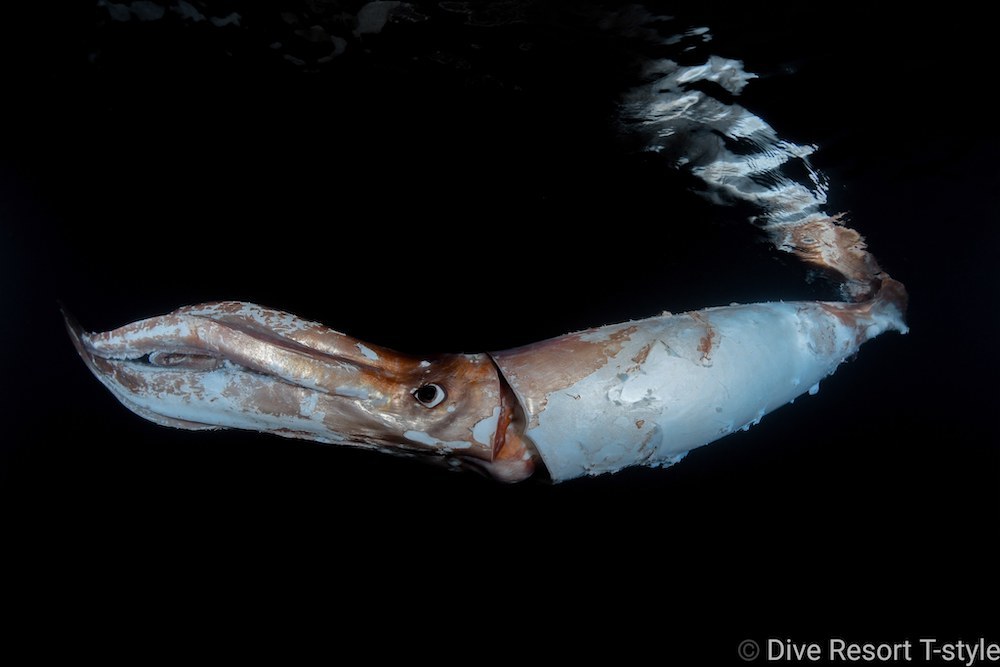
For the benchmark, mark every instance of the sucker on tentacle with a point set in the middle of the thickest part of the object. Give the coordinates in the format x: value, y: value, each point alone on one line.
x: 597, y: 401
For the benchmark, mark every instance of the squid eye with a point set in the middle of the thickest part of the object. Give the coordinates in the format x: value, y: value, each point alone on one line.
x: 429, y: 395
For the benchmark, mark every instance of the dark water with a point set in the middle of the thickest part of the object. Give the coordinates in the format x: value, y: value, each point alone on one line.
x: 147, y: 165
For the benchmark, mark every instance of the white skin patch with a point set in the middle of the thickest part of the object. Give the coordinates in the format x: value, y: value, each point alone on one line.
x: 425, y: 364
x: 351, y: 392
x: 595, y: 336
x: 367, y: 351
x: 485, y: 429
x: 430, y: 441
x: 308, y: 408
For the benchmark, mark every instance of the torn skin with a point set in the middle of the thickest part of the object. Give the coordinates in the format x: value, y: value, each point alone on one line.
x: 587, y: 403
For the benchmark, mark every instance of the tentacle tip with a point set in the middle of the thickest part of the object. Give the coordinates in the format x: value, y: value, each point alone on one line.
x: 79, y: 337
x: 76, y: 332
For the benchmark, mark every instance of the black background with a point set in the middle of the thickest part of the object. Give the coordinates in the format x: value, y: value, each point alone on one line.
x: 399, y: 196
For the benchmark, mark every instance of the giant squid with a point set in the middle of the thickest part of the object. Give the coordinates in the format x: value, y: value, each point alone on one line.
x: 639, y: 393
